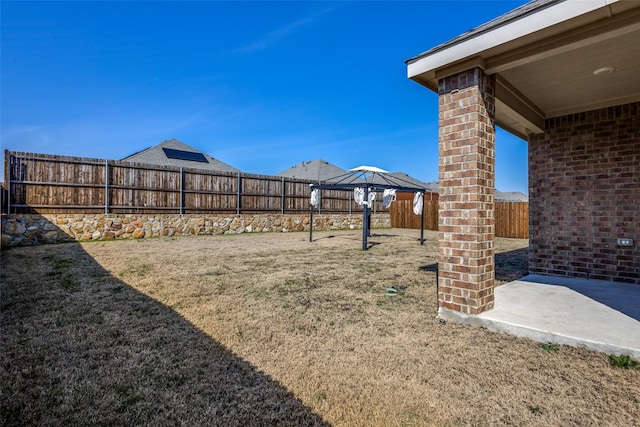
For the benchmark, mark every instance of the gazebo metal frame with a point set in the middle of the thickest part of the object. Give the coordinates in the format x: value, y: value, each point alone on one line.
x: 371, y: 179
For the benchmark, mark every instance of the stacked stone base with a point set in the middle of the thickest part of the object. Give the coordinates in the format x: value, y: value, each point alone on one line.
x: 27, y: 229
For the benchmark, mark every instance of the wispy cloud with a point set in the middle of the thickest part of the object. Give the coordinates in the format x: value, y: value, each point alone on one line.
x: 92, y: 137
x: 36, y: 137
x: 275, y: 36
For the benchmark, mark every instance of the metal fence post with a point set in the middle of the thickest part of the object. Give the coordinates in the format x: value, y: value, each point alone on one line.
x: 106, y: 187
x: 422, y: 221
x: 239, y: 199
x: 181, y: 189
x: 282, y: 207
x: 9, y: 179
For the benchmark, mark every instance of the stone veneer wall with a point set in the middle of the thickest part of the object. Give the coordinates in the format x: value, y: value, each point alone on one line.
x: 25, y: 229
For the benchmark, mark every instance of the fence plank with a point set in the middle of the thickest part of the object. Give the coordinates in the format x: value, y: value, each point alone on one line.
x: 59, y: 184
x: 511, y: 218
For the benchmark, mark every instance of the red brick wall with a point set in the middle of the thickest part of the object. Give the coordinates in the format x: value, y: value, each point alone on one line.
x: 466, y: 199
x: 584, y: 183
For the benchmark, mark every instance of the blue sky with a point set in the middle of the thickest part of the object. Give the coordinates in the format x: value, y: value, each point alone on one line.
x: 261, y: 86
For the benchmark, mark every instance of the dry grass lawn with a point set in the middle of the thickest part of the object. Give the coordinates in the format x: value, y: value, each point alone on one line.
x: 269, y: 329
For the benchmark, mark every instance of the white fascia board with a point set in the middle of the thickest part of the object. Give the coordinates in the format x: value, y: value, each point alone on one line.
x: 524, y: 26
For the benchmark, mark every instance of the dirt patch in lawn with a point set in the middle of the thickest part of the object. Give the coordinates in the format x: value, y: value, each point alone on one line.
x: 269, y: 329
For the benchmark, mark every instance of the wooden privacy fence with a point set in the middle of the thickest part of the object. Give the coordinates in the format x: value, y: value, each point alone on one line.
x: 58, y: 184
x: 402, y: 215
x: 511, y: 218
x: 45, y: 183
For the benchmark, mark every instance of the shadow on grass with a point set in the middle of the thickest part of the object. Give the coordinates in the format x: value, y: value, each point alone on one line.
x: 81, y: 347
x: 373, y: 235
x: 512, y: 265
x: 509, y: 266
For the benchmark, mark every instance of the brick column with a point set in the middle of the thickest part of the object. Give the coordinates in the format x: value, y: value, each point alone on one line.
x: 467, y: 188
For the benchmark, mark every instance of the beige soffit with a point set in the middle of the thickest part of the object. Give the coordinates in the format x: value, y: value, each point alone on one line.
x: 544, y: 55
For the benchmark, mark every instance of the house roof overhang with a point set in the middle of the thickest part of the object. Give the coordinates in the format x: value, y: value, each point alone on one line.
x: 550, y: 58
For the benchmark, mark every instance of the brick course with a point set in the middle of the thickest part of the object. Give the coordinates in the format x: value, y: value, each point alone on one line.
x: 466, y: 203
x: 584, y: 180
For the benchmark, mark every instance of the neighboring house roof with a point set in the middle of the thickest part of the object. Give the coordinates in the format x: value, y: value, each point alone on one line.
x: 402, y: 179
x: 550, y: 58
x: 511, y: 196
x: 178, y: 154
x: 315, y: 170
x: 323, y: 171
x: 508, y: 196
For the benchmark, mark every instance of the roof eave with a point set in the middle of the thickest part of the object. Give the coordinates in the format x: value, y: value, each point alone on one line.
x: 518, y: 30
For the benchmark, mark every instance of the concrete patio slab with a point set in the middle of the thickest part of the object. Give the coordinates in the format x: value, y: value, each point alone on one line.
x: 599, y: 315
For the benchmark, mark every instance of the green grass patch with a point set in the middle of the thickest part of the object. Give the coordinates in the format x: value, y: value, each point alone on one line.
x: 128, y: 397
x: 62, y: 264
x: 550, y: 347
x: 535, y: 410
x: 623, y: 361
x: 68, y: 283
